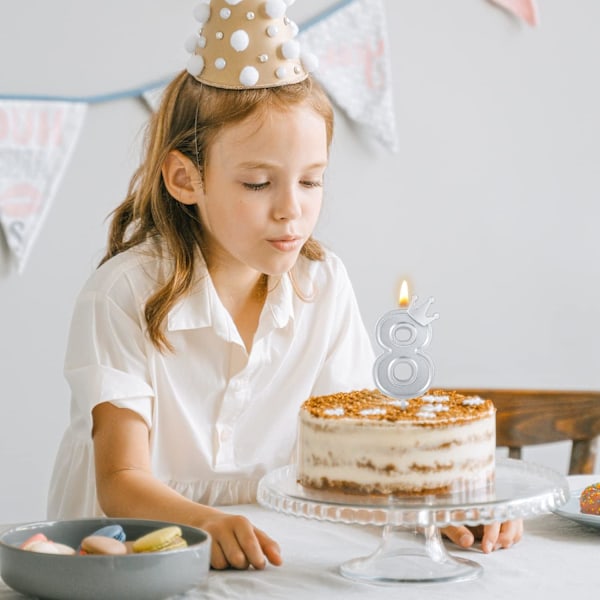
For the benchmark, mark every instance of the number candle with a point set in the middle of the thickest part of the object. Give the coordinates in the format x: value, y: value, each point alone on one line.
x: 403, y: 370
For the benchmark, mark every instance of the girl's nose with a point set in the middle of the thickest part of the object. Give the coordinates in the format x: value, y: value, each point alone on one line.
x: 287, y: 206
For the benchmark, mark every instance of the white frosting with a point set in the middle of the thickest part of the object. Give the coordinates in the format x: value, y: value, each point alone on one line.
x: 397, y: 455
x: 373, y: 411
x: 334, y: 412
x: 431, y: 398
x: 474, y: 401
x: 423, y: 414
x: 399, y: 403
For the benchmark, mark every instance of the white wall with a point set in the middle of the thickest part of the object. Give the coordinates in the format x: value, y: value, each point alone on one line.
x: 490, y: 206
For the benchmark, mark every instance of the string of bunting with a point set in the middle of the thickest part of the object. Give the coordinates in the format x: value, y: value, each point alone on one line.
x: 38, y: 133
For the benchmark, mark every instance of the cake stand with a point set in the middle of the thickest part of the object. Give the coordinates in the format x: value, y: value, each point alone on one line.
x: 411, y: 548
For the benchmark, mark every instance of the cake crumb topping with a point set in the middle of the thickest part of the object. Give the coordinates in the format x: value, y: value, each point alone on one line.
x: 374, y: 405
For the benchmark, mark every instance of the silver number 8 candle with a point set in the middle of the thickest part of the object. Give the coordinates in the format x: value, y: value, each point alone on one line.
x: 403, y: 370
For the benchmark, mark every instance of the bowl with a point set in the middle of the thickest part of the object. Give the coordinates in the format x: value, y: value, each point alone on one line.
x: 144, y: 576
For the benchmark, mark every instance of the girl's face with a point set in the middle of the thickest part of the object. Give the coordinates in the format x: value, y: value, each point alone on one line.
x: 263, y: 189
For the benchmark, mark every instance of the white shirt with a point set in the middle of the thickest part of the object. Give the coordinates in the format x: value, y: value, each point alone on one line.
x: 219, y: 418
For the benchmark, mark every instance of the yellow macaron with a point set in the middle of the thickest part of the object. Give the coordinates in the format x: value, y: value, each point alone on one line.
x: 161, y: 540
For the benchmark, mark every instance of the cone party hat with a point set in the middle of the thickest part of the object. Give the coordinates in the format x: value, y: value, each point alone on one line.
x: 245, y: 44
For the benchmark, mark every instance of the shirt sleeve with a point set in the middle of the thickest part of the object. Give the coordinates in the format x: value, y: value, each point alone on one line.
x: 106, y: 358
x: 349, y: 361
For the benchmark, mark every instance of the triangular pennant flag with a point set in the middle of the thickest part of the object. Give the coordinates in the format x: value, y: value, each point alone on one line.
x: 153, y: 96
x: 36, y: 141
x: 354, y: 66
x: 524, y: 9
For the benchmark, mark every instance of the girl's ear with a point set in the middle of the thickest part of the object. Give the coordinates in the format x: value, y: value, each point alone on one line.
x: 181, y: 178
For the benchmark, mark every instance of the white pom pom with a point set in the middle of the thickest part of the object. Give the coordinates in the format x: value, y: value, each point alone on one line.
x: 220, y: 63
x: 225, y: 14
x: 281, y: 72
x: 233, y: 2
x: 272, y: 30
x: 275, y: 8
x: 249, y: 76
x: 239, y: 40
x: 191, y: 43
x: 290, y: 49
x: 202, y: 12
x: 295, y: 29
x: 310, y: 62
x: 195, y: 65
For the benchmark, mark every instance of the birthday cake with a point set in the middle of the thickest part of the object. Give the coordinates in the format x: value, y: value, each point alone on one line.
x: 364, y: 442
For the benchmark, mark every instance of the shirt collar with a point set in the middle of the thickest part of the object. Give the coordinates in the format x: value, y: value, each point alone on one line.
x: 203, y: 308
x: 280, y: 301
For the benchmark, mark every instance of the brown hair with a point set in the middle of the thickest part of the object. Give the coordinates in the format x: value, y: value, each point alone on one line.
x: 190, y: 116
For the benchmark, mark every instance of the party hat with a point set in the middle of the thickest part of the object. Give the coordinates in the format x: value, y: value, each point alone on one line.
x: 247, y: 44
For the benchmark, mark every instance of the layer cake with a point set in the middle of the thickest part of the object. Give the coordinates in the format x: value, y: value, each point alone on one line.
x: 367, y: 443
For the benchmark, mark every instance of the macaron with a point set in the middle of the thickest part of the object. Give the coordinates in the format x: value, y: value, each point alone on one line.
x: 49, y: 547
x: 112, y: 531
x: 160, y: 540
x: 36, y: 537
x: 100, y: 544
x: 115, y: 532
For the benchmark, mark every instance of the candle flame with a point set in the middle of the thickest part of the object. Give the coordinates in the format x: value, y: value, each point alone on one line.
x: 403, y: 299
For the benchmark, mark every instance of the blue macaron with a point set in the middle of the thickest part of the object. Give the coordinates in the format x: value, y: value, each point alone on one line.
x: 112, y: 531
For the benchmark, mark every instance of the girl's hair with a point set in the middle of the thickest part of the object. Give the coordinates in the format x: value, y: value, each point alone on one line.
x: 190, y: 116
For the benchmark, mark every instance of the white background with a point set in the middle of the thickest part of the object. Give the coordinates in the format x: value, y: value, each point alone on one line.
x: 490, y: 206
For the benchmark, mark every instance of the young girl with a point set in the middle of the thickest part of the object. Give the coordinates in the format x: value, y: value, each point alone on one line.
x: 214, y: 313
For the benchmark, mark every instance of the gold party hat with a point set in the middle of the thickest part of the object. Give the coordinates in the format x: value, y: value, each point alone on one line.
x: 247, y: 44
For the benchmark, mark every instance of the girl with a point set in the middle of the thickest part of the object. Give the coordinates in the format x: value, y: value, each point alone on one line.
x: 213, y: 315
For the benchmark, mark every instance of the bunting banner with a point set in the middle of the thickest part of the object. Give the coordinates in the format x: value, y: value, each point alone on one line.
x: 39, y: 133
x: 152, y: 97
x: 524, y: 9
x: 36, y: 142
x: 354, y: 65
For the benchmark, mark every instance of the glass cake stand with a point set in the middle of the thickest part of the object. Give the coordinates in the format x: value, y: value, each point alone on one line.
x: 411, y: 548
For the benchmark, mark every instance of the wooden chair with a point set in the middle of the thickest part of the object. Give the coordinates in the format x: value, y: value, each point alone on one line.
x: 530, y: 417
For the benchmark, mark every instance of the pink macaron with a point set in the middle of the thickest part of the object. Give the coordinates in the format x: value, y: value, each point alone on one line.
x: 38, y: 537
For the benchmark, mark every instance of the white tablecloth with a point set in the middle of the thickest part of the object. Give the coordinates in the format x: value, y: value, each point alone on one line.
x: 557, y: 558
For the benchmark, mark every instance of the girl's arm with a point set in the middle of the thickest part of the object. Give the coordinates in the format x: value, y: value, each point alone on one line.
x: 127, y: 488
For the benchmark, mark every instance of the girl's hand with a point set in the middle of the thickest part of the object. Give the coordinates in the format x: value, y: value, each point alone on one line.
x: 493, y: 537
x: 236, y: 543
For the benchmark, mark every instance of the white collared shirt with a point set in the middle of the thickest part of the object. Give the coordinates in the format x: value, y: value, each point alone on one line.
x: 219, y: 418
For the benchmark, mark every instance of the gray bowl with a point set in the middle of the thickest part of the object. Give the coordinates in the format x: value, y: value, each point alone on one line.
x: 148, y: 576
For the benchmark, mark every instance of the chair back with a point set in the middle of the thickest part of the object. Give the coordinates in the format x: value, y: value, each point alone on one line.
x: 530, y: 417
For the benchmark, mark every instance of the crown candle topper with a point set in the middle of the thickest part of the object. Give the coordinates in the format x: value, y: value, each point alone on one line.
x: 404, y: 371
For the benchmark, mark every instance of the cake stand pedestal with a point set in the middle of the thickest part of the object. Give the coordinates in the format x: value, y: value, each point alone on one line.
x: 411, y: 548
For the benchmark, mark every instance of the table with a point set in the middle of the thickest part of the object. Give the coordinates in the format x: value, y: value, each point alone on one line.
x: 556, y: 558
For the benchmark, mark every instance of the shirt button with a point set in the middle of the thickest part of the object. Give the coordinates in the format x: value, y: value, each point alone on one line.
x: 226, y: 434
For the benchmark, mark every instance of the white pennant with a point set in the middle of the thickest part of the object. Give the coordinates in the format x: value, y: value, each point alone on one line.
x: 36, y: 141
x: 354, y: 66
x: 152, y: 97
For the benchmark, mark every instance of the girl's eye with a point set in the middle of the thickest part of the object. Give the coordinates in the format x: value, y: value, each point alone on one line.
x: 312, y: 184
x: 256, y: 187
